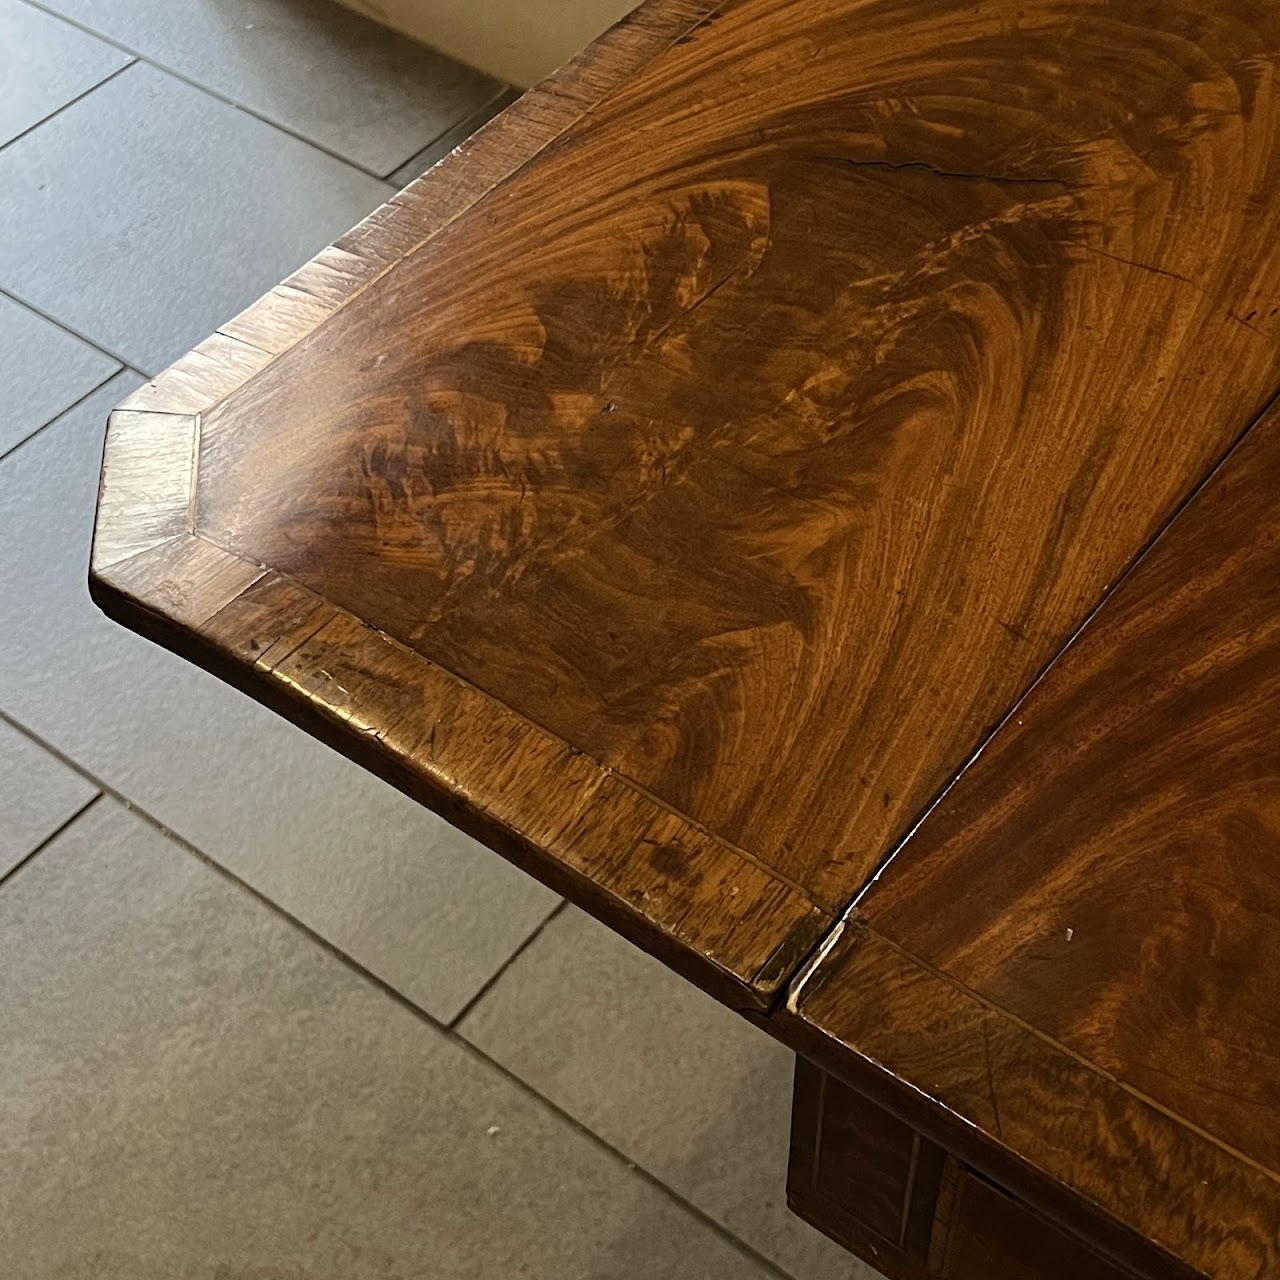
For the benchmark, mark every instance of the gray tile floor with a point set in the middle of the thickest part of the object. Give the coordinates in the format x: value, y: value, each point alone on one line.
x: 262, y: 1016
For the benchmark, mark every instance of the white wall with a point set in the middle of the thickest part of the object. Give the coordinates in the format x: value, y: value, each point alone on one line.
x: 520, y: 41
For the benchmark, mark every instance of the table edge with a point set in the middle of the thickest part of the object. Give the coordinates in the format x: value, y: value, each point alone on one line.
x: 717, y: 917
x: 152, y: 572
x: 964, y: 1071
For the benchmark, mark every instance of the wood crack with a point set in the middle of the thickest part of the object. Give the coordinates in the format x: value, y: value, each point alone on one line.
x: 1007, y: 179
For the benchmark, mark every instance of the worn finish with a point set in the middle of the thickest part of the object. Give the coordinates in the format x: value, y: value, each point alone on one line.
x: 702, y: 906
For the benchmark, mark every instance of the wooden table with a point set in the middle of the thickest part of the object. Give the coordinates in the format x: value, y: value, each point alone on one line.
x: 799, y: 483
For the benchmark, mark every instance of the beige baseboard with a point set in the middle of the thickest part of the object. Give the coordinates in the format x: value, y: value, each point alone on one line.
x: 519, y: 41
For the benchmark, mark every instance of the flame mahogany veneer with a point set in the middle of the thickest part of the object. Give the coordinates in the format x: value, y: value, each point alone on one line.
x: 691, y: 476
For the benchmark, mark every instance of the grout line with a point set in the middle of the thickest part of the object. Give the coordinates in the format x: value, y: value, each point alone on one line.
x: 446, y: 1030
x: 514, y: 91
x: 71, y: 102
x: 476, y: 114
x: 493, y: 981
x: 766, y: 1264
x: 141, y: 57
x: 49, y: 839
x: 62, y: 413
x: 478, y: 118
x: 66, y: 328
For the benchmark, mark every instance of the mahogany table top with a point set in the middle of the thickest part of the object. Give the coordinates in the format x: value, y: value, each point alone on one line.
x: 678, y: 485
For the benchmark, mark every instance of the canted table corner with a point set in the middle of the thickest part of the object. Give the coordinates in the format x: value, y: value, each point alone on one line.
x: 680, y: 485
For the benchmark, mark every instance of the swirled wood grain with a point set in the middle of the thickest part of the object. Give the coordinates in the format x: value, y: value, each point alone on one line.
x: 1117, y: 844
x: 1116, y: 1169
x: 768, y: 431
x: 705, y: 907
x: 678, y: 483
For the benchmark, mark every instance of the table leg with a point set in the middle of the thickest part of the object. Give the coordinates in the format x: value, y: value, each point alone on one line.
x: 900, y: 1202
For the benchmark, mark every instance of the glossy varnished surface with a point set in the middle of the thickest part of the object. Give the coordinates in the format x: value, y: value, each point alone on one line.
x: 677, y: 485
x: 1139, y: 1183
x: 1107, y: 873
x: 1118, y: 842
x: 705, y: 907
x: 765, y: 434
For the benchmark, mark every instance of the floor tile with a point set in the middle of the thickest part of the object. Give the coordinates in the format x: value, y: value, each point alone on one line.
x: 193, y: 1088
x: 427, y: 909
x: 38, y: 793
x: 197, y: 209
x: 366, y: 93
x: 44, y: 64
x: 685, y: 1088
x: 455, y: 137
x: 43, y: 370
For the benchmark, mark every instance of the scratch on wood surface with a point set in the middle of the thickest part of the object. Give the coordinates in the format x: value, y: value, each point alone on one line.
x: 1131, y: 262
x: 1008, y: 179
